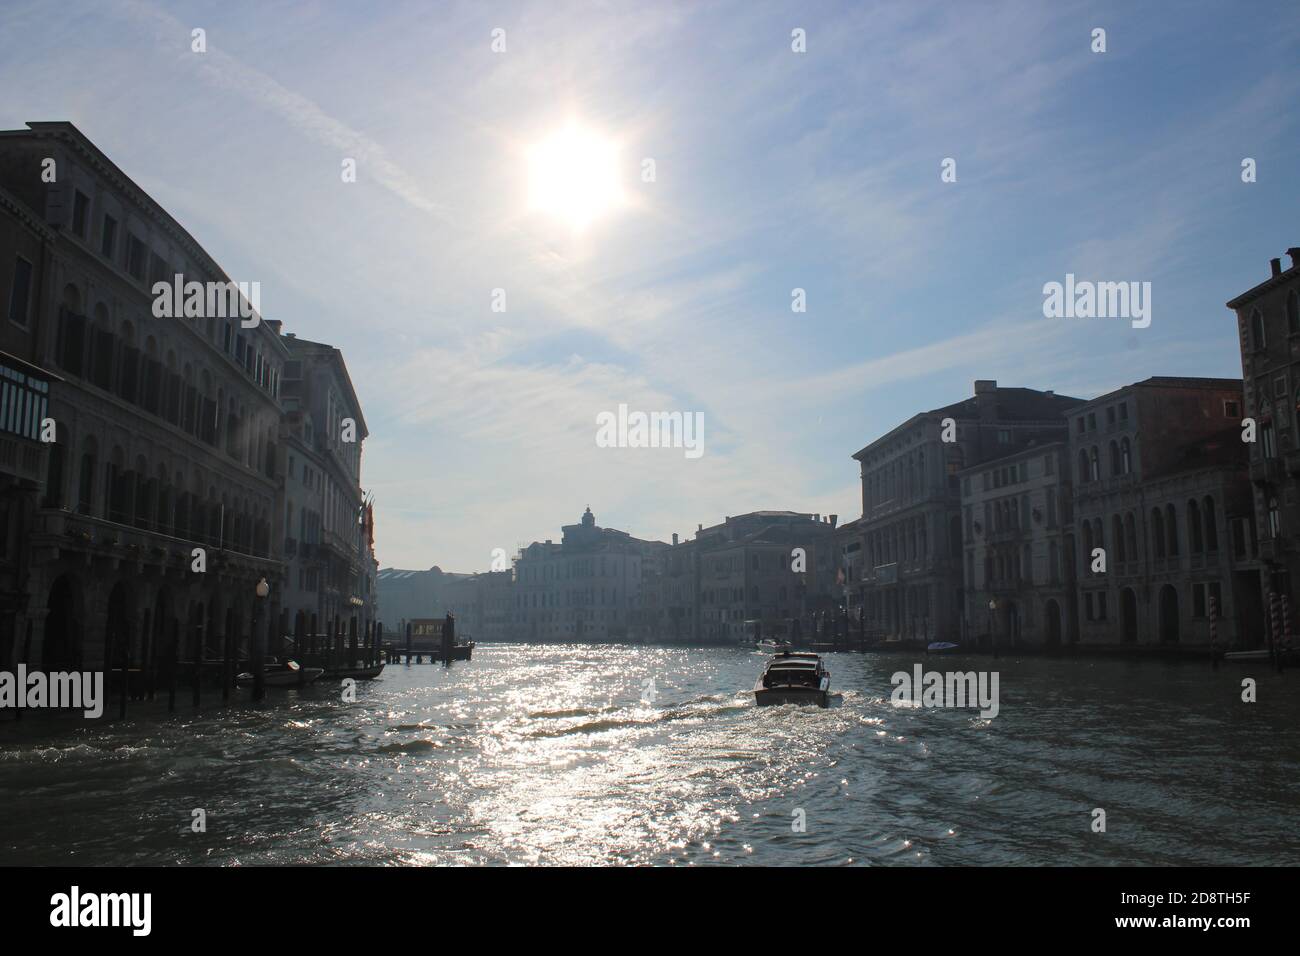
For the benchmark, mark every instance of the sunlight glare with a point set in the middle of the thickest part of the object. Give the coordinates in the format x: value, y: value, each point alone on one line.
x: 573, y: 176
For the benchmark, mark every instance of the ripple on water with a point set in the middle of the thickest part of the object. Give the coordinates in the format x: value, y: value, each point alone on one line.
x: 549, y: 754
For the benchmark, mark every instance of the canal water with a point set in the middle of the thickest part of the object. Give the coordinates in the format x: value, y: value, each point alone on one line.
x: 577, y: 754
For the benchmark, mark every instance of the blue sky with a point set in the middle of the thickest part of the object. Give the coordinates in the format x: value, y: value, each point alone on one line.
x: 774, y: 170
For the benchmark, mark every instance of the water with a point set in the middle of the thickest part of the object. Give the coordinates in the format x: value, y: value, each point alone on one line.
x: 548, y: 754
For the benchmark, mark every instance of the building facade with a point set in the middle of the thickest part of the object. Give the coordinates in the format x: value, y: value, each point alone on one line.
x: 748, y: 570
x: 1019, y: 551
x: 327, y: 541
x: 24, y: 405
x: 912, y: 583
x: 1268, y: 329
x: 167, y: 428
x: 586, y: 588
x: 1161, y: 496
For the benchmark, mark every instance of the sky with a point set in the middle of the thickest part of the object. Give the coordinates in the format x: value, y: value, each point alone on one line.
x: 774, y: 170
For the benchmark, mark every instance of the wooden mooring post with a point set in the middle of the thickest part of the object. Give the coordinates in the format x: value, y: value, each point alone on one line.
x: 196, y: 646
x: 173, y: 664
x: 125, y: 675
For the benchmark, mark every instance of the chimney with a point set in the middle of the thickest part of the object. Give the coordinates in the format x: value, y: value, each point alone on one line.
x: 1294, y: 253
x: 699, y: 529
x: 1276, y: 266
x: 674, y: 539
x: 835, y: 519
x: 986, y: 398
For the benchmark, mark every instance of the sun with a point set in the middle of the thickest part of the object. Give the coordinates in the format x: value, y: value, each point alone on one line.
x: 573, y: 176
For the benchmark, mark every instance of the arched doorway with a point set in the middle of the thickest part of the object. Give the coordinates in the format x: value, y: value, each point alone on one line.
x: 1052, y: 612
x: 62, y: 648
x: 1128, y: 616
x: 1168, y: 615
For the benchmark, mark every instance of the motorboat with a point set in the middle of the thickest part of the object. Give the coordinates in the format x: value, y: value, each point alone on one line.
x: 794, y: 677
x: 941, y: 647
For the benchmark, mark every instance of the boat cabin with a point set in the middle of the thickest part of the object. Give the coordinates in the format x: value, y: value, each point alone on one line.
x: 793, y: 670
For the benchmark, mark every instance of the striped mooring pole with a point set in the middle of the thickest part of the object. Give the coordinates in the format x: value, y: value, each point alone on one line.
x: 1214, y: 632
x: 1275, y: 623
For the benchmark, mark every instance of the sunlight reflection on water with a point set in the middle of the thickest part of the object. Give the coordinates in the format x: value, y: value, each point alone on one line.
x: 558, y: 755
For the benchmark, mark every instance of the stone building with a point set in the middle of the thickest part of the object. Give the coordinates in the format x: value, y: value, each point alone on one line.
x: 326, y: 541
x: 911, y: 531
x: 747, y: 571
x: 1160, y: 489
x: 1268, y: 328
x: 167, y: 428
x: 586, y: 588
x: 1017, y: 531
x: 405, y: 595
x: 24, y: 404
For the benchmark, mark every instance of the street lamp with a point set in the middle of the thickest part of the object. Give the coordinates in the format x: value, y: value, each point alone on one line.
x: 259, y: 666
x: 993, y: 637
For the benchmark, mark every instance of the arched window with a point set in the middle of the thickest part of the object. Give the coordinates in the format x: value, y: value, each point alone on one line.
x: 1114, y: 459
x: 1157, y: 533
x: 163, y: 514
x: 1094, y: 463
x: 1083, y: 466
x: 1195, y: 539
x: 1293, y: 312
x: 1171, y: 526
x: 1130, y: 536
x: 86, y: 478
x: 142, y: 494
x: 1257, y: 330
x: 1125, y: 457
x: 103, y: 345
x: 1211, y: 525
x: 1117, y: 536
x: 117, y: 493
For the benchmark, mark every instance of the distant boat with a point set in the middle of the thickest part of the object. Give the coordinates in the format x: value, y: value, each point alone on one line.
x: 793, y: 677
x: 941, y: 647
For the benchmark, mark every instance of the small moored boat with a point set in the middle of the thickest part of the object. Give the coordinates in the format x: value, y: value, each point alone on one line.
x: 794, y: 677
x: 941, y: 647
x: 288, y: 674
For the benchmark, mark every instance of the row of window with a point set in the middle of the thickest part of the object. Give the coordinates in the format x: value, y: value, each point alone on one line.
x: 1114, y: 413
x: 156, y: 502
x: 1205, y: 595
x: 1258, y: 327
x: 148, y: 267
x: 1120, y: 461
x: 1163, y: 527
x: 92, y: 351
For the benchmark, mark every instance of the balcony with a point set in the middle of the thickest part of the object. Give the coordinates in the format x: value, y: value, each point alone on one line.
x: 59, y: 529
x: 23, y: 458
